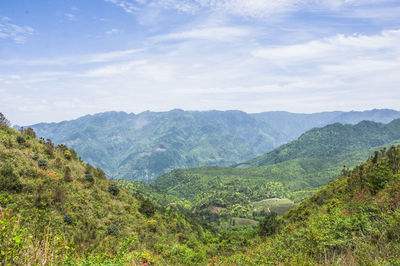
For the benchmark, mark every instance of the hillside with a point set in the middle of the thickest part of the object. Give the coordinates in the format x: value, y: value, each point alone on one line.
x: 57, y: 209
x: 332, y: 140
x: 143, y: 146
x: 306, y: 164
x: 354, y: 220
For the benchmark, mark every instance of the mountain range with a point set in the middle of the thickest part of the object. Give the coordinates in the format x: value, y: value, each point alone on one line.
x: 146, y: 145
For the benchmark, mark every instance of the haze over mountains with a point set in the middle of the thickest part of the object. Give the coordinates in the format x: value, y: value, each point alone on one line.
x: 143, y: 146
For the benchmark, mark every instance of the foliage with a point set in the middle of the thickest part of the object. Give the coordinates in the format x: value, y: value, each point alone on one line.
x: 269, y: 225
x: 9, y: 181
x: 353, y: 220
x: 147, y: 208
x: 48, y: 217
x: 113, y: 189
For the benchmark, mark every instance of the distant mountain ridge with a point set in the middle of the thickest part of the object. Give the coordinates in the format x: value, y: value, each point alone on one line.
x: 143, y: 146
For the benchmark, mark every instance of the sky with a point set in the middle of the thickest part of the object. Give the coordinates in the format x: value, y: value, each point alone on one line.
x: 63, y: 59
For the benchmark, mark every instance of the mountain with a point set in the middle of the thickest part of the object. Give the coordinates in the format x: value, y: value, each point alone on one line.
x: 293, y: 125
x: 292, y: 171
x: 143, y: 146
x: 354, y: 220
x: 56, y: 209
x: 332, y: 140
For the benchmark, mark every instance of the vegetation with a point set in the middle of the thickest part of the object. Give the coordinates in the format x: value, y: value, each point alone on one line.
x: 143, y: 146
x: 354, y: 220
x: 58, y: 210
x: 146, y: 145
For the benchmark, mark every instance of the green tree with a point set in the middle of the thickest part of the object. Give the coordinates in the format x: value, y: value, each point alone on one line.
x: 147, y: 208
x: 8, y: 179
x: 269, y: 225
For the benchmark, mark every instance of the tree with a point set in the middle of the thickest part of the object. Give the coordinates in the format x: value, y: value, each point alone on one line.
x: 113, y: 189
x: 147, y: 208
x: 30, y: 132
x: 4, y: 121
x: 269, y: 225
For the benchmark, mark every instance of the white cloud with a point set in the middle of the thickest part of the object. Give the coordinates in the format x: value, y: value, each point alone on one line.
x: 247, y: 8
x: 336, y: 48
x: 70, y: 16
x: 114, y: 69
x: 75, y: 60
x: 18, y: 34
x: 210, y: 33
x: 112, y: 31
x: 126, y: 5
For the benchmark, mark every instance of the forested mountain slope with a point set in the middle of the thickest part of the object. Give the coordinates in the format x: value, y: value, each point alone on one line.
x: 332, y: 140
x: 354, y: 220
x: 143, y: 146
x: 56, y: 209
x: 301, y: 167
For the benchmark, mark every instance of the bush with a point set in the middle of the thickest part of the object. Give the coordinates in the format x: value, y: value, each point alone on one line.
x: 21, y: 139
x: 68, y: 219
x: 113, y: 230
x: 30, y: 132
x: 9, y: 181
x: 99, y: 174
x: 43, y: 163
x: 269, y: 225
x: 89, y: 178
x: 113, y: 189
x: 67, y: 154
x: 147, y: 208
x: 67, y: 174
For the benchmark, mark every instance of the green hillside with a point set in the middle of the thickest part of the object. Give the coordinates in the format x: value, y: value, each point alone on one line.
x: 332, y: 140
x: 56, y: 209
x: 354, y: 220
x: 301, y: 167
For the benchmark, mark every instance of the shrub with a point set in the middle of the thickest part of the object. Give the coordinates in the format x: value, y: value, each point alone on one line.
x: 99, y: 174
x: 67, y: 154
x: 89, y: 178
x: 113, y: 189
x: 68, y: 219
x: 113, y: 230
x: 21, y: 139
x: 30, y: 132
x: 269, y: 225
x: 67, y: 174
x: 147, y: 208
x: 42, y: 163
x: 9, y: 181
x: 58, y: 163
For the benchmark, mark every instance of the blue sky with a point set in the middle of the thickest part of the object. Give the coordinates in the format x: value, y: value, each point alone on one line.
x: 63, y: 59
